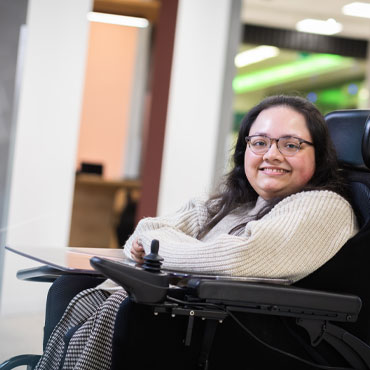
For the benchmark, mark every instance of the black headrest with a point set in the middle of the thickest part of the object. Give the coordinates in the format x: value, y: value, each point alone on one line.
x: 350, y: 133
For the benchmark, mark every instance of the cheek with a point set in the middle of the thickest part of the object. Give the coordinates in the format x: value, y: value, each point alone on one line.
x: 250, y: 164
x: 306, y: 176
x: 306, y: 170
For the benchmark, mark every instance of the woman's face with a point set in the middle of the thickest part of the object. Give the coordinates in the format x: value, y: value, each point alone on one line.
x: 272, y: 174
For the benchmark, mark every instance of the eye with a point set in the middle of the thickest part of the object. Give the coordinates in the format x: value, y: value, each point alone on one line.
x: 290, y: 144
x: 259, y: 143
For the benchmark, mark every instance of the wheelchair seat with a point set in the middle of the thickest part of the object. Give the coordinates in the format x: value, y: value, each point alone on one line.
x: 331, y: 306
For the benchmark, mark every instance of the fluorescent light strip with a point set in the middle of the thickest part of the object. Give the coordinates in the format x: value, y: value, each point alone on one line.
x: 118, y: 19
x: 357, y: 9
x: 256, y: 55
x: 328, y: 27
x: 300, y: 69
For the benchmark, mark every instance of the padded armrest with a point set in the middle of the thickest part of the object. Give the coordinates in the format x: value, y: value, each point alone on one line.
x: 147, y: 287
x: 288, y: 300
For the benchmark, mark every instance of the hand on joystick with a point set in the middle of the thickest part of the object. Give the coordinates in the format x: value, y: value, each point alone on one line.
x: 137, y: 252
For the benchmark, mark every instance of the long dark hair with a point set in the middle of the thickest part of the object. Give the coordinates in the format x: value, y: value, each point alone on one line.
x: 236, y: 190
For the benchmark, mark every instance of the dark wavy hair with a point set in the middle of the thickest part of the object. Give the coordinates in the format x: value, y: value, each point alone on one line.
x: 236, y: 190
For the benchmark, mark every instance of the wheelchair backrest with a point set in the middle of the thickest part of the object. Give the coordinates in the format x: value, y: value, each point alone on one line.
x: 350, y: 133
x: 348, y: 271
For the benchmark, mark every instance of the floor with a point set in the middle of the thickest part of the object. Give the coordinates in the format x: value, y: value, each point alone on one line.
x: 20, y: 334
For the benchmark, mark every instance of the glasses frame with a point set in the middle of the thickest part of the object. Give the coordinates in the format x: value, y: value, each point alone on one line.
x: 301, y: 141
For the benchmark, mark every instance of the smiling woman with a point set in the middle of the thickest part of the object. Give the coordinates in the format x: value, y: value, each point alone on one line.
x: 312, y: 167
x: 285, y: 167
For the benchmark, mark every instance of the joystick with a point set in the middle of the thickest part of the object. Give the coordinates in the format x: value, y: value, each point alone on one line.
x: 144, y: 284
x: 153, y: 261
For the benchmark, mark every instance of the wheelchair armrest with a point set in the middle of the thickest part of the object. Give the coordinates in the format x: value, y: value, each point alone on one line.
x: 44, y: 274
x: 152, y: 288
x: 279, y: 300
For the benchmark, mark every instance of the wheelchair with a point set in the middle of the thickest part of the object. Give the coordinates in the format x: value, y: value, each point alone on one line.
x: 218, y: 320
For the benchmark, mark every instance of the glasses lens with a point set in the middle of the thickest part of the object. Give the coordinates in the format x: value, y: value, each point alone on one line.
x: 259, y: 144
x: 288, y: 145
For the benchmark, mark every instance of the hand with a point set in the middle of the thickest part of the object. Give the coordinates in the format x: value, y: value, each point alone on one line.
x: 137, y: 252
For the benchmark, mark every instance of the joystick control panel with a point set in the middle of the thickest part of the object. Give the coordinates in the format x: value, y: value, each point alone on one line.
x: 144, y: 284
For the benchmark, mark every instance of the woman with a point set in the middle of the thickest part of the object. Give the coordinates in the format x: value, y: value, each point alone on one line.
x: 282, y: 212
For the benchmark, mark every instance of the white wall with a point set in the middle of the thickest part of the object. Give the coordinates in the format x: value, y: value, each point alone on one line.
x: 44, y: 149
x: 199, y: 115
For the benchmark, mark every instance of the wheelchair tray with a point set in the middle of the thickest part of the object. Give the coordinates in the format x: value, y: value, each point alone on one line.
x: 68, y: 259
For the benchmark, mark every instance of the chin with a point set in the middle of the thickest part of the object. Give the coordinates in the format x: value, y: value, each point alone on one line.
x: 272, y: 193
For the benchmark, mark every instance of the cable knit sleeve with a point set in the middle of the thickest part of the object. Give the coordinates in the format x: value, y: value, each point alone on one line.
x: 296, y: 237
x: 186, y: 221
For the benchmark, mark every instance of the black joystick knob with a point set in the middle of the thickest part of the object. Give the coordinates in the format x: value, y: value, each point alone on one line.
x: 153, y: 261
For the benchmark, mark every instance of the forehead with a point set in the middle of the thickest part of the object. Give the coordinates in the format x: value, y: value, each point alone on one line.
x: 280, y: 121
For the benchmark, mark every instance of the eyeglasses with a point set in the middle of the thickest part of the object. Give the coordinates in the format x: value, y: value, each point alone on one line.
x: 287, y: 145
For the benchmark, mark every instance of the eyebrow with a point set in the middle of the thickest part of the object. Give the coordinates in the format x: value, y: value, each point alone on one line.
x: 265, y: 134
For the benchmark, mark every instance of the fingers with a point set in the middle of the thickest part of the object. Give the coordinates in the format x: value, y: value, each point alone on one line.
x: 137, y: 252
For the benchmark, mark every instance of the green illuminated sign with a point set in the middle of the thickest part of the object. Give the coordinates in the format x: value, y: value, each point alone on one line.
x: 303, y: 68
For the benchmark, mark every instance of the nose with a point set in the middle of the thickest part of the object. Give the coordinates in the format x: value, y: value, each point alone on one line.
x: 273, y: 153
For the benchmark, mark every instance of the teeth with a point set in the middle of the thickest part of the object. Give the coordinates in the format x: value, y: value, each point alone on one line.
x: 275, y: 170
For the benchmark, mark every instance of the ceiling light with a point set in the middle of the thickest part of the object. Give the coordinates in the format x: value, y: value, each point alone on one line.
x: 118, y: 19
x: 256, y: 55
x: 328, y: 27
x: 304, y: 68
x: 357, y: 9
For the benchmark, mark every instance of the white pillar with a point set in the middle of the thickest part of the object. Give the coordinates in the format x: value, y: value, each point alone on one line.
x: 132, y: 147
x: 45, y: 141
x: 199, y: 114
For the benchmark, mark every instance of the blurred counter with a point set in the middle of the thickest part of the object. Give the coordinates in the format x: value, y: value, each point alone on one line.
x: 97, y: 206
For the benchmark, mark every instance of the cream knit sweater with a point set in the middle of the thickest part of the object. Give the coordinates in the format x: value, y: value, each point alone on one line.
x: 295, y: 238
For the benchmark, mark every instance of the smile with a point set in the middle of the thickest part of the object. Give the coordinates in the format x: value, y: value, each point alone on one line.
x: 273, y: 170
